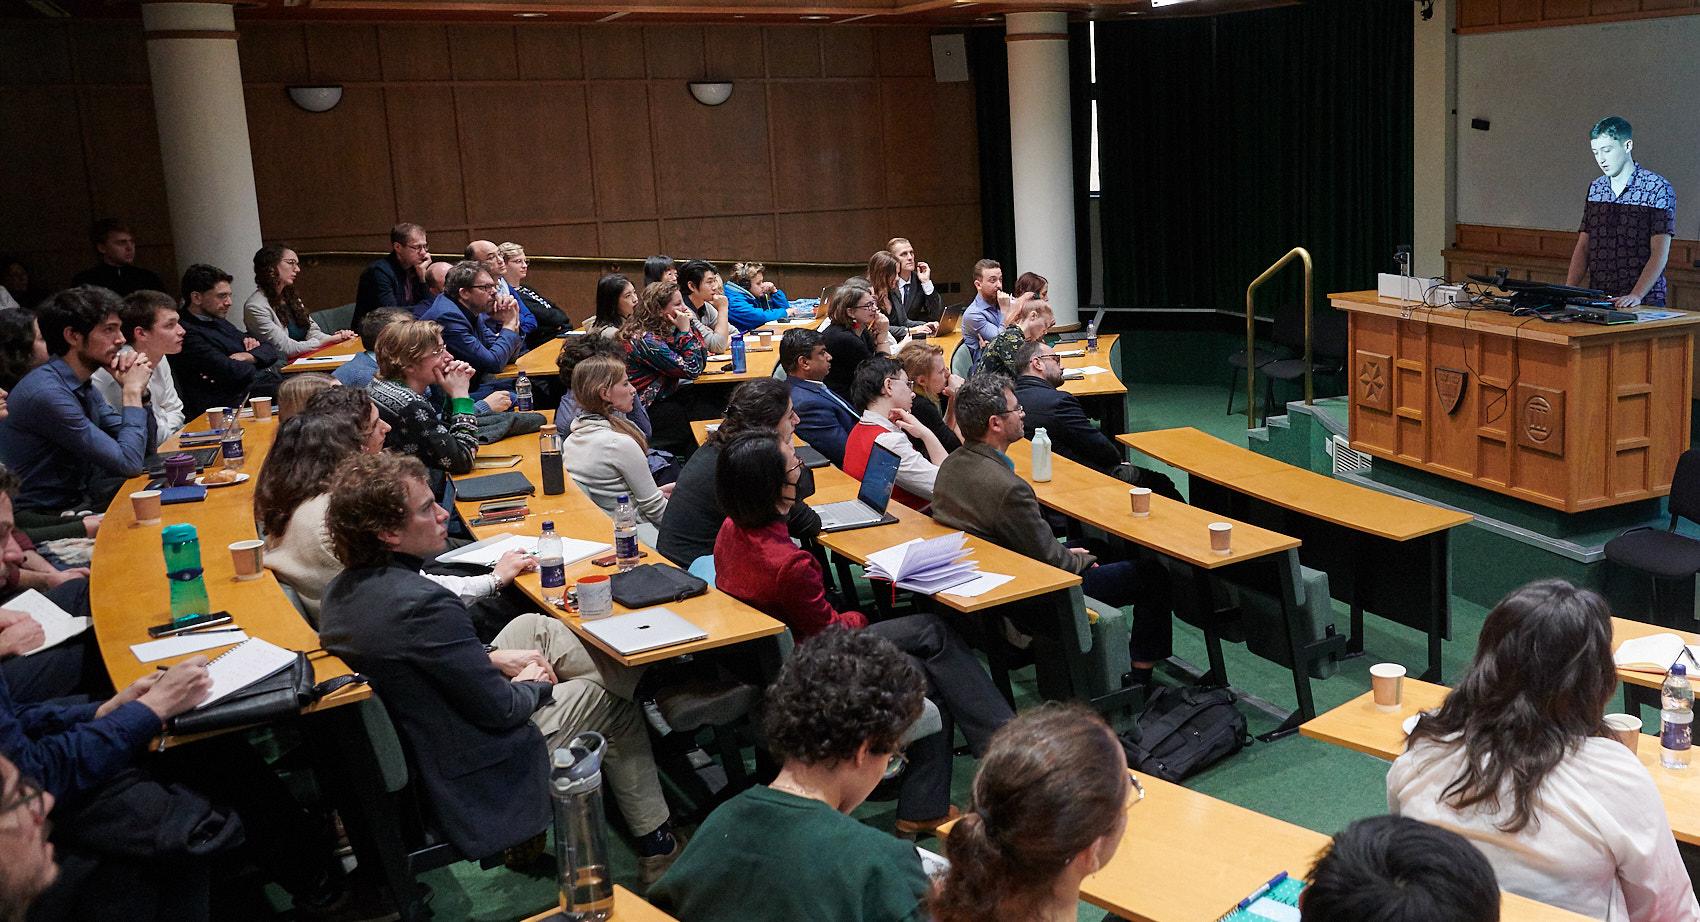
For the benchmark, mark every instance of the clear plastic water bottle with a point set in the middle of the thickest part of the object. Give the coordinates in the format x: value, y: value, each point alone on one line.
x: 230, y: 446
x: 738, y: 364
x: 625, y: 533
x: 549, y: 459
x: 581, y: 842
x: 1041, y: 456
x: 522, y: 392
x: 1091, y: 337
x: 182, y: 545
x: 1676, y: 718
x: 549, y: 566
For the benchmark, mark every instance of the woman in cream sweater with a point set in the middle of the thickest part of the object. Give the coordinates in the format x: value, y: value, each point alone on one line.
x: 274, y: 313
x: 605, y: 454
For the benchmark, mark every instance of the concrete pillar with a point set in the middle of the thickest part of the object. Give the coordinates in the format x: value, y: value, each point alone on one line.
x: 1041, y: 145
x: 1434, y: 136
x: 203, y: 138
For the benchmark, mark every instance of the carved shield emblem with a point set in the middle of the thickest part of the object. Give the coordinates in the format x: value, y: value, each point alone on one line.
x: 1449, y: 384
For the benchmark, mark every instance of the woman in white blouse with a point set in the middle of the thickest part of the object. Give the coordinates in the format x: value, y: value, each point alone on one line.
x: 604, y: 453
x: 1519, y: 762
x: 275, y: 314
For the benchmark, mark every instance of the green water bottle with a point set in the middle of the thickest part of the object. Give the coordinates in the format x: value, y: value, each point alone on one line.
x: 183, y: 569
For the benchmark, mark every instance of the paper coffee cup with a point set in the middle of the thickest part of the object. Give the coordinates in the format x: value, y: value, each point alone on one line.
x: 1627, y: 729
x: 1222, y: 537
x: 767, y: 339
x: 262, y: 408
x: 1386, y: 681
x: 595, y: 597
x: 215, y: 417
x: 1140, y: 498
x: 146, y: 505
x: 249, y: 558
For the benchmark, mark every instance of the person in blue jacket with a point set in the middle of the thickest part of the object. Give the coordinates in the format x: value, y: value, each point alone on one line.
x: 469, y: 293
x: 752, y: 300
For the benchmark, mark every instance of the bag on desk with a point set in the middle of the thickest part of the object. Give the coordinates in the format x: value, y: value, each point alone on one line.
x: 654, y: 583
x: 1183, y: 731
x: 279, y: 695
x: 494, y: 486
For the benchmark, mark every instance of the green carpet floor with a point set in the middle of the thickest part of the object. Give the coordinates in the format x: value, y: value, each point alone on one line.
x: 1313, y: 784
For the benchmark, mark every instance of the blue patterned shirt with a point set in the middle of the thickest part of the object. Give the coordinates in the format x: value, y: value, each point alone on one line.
x: 1621, y: 229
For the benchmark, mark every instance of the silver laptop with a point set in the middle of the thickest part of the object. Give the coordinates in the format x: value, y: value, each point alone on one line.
x: 868, y: 508
x: 640, y: 631
x: 1080, y: 335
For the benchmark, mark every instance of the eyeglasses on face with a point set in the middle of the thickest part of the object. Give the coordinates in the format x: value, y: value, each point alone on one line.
x: 419, y: 247
x: 491, y: 288
x: 27, y: 795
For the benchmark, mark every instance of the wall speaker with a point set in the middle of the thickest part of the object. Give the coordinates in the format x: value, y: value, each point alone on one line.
x: 950, y: 58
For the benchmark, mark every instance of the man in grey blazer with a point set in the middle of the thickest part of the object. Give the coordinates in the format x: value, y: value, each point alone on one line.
x: 978, y: 491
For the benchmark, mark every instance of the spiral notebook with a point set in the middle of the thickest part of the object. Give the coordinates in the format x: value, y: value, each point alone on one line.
x: 243, y: 665
x: 1279, y: 904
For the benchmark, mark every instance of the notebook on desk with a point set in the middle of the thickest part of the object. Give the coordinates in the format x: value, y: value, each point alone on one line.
x: 868, y: 508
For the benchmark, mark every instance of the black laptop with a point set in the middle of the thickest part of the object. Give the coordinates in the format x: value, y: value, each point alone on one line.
x: 1079, y: 336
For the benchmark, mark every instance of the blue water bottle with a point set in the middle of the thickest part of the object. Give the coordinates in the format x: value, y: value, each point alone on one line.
x: 738, y: 353
x: 183, y: 569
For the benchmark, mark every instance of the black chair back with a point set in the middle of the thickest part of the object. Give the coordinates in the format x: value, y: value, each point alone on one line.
x: 1685, y: 488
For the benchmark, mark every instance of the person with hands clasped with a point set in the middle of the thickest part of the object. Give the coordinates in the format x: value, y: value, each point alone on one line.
x: 883, y: 393
x: 412, y: 359
x: 858, y: 331
x: 470, y: 296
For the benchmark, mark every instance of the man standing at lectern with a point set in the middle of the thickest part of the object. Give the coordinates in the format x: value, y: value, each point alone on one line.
x: 1627, y: 223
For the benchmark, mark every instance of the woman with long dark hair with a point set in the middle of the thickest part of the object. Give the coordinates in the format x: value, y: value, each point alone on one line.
x: 883, y: 269
x: 616, y: 301
x: 275, y: 314
x: 1049, y: 807
x: 660, y: 269
x: 1519, y: 761
x: 21, y: 346
x: 859, y: 331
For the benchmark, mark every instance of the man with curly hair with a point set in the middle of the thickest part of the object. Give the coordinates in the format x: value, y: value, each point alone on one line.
x: 835, y: 718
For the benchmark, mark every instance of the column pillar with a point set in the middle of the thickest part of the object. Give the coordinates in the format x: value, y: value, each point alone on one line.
x: 1041, y: 154
x: 1434, y: 136
x: 203, y: 138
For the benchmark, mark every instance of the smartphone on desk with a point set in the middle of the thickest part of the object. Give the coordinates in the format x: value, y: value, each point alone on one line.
x: 172, y: 629
x: 608, y: 560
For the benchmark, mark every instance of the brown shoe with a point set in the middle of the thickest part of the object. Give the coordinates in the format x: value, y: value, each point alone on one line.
x: 651, y: 867
x: 910, y: 829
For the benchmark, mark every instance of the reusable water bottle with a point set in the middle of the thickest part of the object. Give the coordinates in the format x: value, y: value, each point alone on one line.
x: 581, y: 842
x: 625, y: 533
x: 1676, y: 719
x: 550, y: 571
x: 522, y: 392
x: 738, y: 364
x: 549, y: 458
x: 1041, y: 456
x: 183, y: 570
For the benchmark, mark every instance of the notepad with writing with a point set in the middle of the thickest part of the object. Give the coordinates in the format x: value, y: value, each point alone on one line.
x: 56, y: 623
x: 243, y: 665
x: 1280, y: 904
x: 1653, y: 653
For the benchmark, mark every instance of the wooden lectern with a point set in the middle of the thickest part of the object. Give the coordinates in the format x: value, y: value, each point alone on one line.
x: 1572, y: 416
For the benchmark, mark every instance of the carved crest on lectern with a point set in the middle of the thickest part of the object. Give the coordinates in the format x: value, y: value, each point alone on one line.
x: 1375, y: 381
x: 1449, y: 385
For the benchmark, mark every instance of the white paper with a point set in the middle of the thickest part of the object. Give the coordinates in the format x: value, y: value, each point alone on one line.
x: 1089, y: 370
x: 56, y: 622
x: 933, y: 864
x: 979, y: 585
x: 916, y: 558
x: 721, y: 358
x: 1659, y: 649
x: 323, y: 360
x: 485, y: 553
x: 167, y: 647
x: 243, y: 665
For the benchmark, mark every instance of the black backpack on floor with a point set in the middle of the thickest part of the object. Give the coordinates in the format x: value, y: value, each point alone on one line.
x: 1182, y: 731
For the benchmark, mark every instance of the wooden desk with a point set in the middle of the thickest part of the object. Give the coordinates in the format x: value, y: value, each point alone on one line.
x: 344, y: 351
x: 538, y: 362
x: 1361, y: 726
x: 1623, y: 629
x: 628, y: 907
x: 1381, y: 552
x: 1570, y: 416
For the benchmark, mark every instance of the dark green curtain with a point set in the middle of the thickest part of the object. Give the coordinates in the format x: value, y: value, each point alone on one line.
x: 1224, y: 141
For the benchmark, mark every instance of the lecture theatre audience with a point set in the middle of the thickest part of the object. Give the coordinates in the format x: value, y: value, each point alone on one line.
x: 824, y: 418
x: 398, y: 279
x: 983, y: 320
x: 548, y: 320
x: 411, y: 360
x: 881, y: 391
x: 606, y: 455
x: 275, y: 313
x: 752, y: 300
x: 478, y: 328
x: 935, y: 391
x: 859, y: 330
x: 1028, y: 323
x: 115, y: 269
x: 699, y: 286
x: 219, y: 365
x: 152, y: 327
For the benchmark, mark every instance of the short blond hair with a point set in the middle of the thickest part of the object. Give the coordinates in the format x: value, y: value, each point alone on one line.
x: 510, y: 250
x: 744, y: 274
x: 917, y: 358
x: 403, y: 345
x: 891, y: 245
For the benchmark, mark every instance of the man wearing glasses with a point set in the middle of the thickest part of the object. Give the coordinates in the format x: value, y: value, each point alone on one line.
x: 397, y: 280
x: 469, y: 294
x: 28, y: 868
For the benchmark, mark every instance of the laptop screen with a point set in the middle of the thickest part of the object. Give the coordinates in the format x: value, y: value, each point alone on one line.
x: 879, y: 478
x: 1097, y: 318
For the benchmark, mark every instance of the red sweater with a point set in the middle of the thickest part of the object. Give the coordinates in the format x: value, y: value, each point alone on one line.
x: 859, y: 446
x: 763, y: 569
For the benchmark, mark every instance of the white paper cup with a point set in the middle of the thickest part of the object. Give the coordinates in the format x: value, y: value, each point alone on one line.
x: 249, y: 558
x: 1627, y: 729
x: 595, y: 597
x: 215, y: 417
x: 146, y: 505
x: 1222, y: 537
x: 1140, y: 499
x: 1387, y: 682
x: 262, y: 408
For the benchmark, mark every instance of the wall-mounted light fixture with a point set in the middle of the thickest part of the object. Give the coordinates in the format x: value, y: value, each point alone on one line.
x: 322, y: 98
x: 711, y: 92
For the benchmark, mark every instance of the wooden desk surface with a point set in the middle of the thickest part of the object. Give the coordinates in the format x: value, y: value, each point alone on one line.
x: 1361, y: 726
x: 727, y: 620
x: 1624, y: 629
x: 345, y: 350
x: 1188, y: 857
x: 1500, y: 322
x: 628, y: 907
x: 1174, y: 529
x: 128, y: 590
x: 1290, y: 487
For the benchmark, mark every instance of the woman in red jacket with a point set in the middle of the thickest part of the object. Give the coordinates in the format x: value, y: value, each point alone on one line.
x: 755, y: 561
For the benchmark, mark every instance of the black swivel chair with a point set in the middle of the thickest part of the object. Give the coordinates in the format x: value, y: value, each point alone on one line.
x: 1665, y: 556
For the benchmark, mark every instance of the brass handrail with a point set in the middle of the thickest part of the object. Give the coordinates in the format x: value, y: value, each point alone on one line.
x: 1251, y: 335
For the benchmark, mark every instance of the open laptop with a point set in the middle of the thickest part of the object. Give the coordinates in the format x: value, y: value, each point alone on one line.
x: 868, y: 508
x: 640, y: 631
x: 950, y: 319
x: 1080, y: 335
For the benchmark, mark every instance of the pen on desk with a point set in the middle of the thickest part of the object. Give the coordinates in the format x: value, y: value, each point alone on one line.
x: 1260, y: 891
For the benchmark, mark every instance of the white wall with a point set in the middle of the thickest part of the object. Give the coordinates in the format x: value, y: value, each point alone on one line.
x: 1542, y: 89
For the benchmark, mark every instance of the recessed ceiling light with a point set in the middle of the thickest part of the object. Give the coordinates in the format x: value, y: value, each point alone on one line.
x: 531, y: 15
x: 815, y: 17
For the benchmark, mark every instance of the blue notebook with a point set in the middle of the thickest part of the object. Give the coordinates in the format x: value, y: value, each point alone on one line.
x: 1280, y: 904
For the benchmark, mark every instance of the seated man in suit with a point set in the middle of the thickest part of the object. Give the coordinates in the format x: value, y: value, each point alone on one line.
x: 979, y: 492
x: 824, y: 419
x: 915, y: 294
x: 478, y: 723
x: 397, y: 280
x: 219, y: 364
x: 117, y: 270
x: 496, y: 264
x: 1074, y: 436
x: 469, y: 294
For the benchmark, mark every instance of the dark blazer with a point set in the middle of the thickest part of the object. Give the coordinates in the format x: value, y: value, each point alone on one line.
x: 1072, y: 434
x: 917, y: 307
x: 482, y: 765
x: 471, y: 340
x: 207, y: 376
x: 822, y: 421
x: 977, y: 492
x: 551, y: 320
x: 848, y: 350
x: 386, y: 283
x: 122, y: 280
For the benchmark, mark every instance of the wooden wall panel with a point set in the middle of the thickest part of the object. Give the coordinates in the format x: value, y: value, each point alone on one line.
x: 710, y: 160
x: 479, y: 52
x: 414, y: 52
x: 35, y: 53
x: 540, y: 177
x: 904, y: 52
x: 294, y: 151
x: 723, y: 237
x: 1497, y: 15
x: 674, y: 52
x: 734, y: 52
x: 630, y: 238
x: 849, y: 53
x: 110, y: 53
x: 343, y: 54
x: 40, y: 142
x: 549, y: 53
x: 613, y: 52
x: 274, y: 53
x: 793, y: 52
x: 126, y: 176
x: 817, y: 162
x: 838, y: 236
x: 427, y: 175
x: 549, y: 238
x: 931, y: 151
x: 621, y: 149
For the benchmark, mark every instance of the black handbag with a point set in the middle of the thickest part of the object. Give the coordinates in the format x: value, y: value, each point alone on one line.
x: 654, y: 583
x: 1182, y: 731
x: 280, y: 694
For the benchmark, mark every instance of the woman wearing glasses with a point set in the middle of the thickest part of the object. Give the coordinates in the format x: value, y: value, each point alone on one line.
x: 275, y: 314
x: 755, y: 561
x: 789, y: 850
x: 859, y: 330
x: 411, y: 360
x: 1519, y: 762
x: 883, y: 394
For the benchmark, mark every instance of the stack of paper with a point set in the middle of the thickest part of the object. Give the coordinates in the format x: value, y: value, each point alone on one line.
x: 1653, y: 653
x: 929, y: 566
x: 485, y: 553
x: 58, y: 624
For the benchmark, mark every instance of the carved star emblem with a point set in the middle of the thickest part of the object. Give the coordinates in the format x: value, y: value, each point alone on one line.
x: 1370, y: 378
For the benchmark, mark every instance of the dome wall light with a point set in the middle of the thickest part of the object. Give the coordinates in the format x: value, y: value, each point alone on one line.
x: 710, y: 92
x: 322, y: 98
